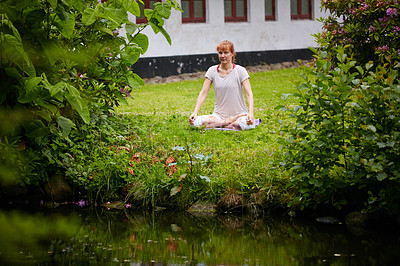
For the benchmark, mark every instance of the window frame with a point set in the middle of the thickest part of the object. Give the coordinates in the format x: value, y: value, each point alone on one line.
x: 273, y: 16
x: 234, y: 17
x: 140, y: 20
x: 299, y: 15
x: 192, y: 18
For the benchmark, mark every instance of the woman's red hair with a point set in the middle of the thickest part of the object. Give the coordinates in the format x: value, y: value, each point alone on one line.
x: 227, y: 46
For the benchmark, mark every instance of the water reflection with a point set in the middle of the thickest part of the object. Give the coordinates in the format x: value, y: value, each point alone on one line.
x: 100, y: 236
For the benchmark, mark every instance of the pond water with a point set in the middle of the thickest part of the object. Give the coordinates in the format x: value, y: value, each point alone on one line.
x: 100, y: 236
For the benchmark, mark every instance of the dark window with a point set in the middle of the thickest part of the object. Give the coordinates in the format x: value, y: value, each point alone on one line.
x: 300, y: 9
x: 235, y: 10
x: 147, y: 4
x: 193, y: 11
x: 269, y: 9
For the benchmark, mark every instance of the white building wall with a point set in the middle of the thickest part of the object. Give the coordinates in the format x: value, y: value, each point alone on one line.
x: 254, y: 35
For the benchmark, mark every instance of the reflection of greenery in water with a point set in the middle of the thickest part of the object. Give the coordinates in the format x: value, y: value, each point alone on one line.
x: 28, y: 237
x: 108, y: 236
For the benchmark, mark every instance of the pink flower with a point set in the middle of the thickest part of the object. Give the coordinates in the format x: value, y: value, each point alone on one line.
x: 81, y: 203
x: 383, y: 49
x: 391, y: 12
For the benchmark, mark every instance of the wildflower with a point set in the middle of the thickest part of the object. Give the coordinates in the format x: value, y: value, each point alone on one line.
x: 371, y: 28
x: 81, y: 203
x: 128, y: 205
x: 364, y: 6
x: 391, y: 12
x: 383, y: 49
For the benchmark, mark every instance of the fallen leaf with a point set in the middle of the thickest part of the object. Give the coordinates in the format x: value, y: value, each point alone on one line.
x: 172, y: 168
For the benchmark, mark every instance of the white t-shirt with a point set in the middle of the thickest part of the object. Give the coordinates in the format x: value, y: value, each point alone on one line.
x: 229, y: 97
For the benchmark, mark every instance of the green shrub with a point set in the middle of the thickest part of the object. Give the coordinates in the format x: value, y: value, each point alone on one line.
x: 343, y: 148
x: 60, y: 60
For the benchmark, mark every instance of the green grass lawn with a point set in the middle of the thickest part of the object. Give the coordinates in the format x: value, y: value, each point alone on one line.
x: 241, y: 161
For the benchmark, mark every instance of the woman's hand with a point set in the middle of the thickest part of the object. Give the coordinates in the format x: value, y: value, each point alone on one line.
x: 250, y: 119
x: 192, y: 117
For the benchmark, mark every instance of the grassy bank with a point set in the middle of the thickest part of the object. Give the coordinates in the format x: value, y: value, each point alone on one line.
x: 230, y: 168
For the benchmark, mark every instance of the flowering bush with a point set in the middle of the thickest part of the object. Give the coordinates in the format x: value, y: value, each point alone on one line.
x: 343, y: 149
x: 370, y: 28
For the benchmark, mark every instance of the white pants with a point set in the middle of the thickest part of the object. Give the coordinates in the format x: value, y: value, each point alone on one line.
x: 198, y: 122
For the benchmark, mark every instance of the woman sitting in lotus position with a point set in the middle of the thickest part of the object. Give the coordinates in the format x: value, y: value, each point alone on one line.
x: 229, y: 81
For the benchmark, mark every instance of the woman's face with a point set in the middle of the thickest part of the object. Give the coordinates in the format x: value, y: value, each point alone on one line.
x: 225, y: 56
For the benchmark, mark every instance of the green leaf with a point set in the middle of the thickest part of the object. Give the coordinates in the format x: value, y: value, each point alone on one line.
x: 131, y: 54
x: 32, y: 83
x: 285, y: 96
x: 163, y: 10
x: 75, y: 100
x: 381, y: 176
x: 341, y: 57
x: 130, y: 28
x: 138, y: 79
x: 206, y: 178
x: 56, y: 89
x: 371, y: 127
x: 53, y: 50
x: 35, y: 128
x: 175, y: 190
x: 13, y: 51
x: 53, y: 3
x: 69, y: 26
x: 65, y: 124
x: 148, y: 13
x: 31, y: 91
x: 104, y: 29
x: 316, y: 182
x: 78, y: 4
x: 179, y: 148
x: 360, y: 69
x: 154, y: 27
x: 5, y: 21
x: 381, y: 144
x: 142, y: 40
x: 116, y: 16
x: 89, y: 16
x: 132, y: 6
x: 121, y: 98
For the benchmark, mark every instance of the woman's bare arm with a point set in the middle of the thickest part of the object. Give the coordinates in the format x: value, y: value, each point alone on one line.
x: 250, y: 101
x: 200, y: 99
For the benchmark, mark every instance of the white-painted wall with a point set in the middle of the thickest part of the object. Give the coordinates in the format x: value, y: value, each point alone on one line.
x: 254, y: 35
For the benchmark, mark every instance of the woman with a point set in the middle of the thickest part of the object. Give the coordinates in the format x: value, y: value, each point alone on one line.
x: 229, y: 81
